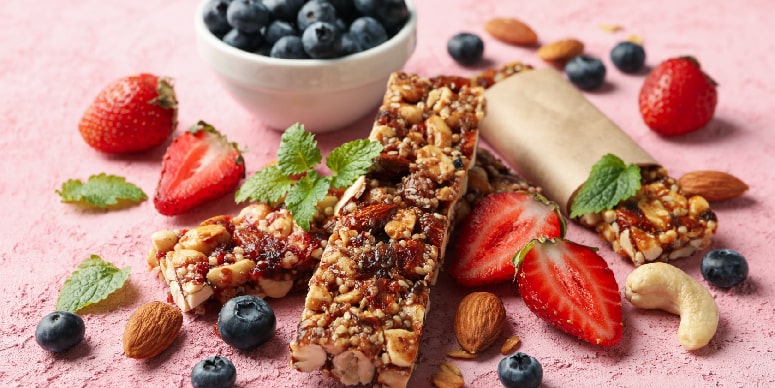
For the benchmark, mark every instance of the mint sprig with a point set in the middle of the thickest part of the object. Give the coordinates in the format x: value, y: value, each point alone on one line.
x: 101, y: 191
x: 609, y: 182
x: 294, y: 178
x: 93, y: 281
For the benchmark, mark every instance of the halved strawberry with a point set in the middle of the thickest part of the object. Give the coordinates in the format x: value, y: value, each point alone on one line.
x: 571, y: 287
x: 496, y: 229
x: 200, y: 165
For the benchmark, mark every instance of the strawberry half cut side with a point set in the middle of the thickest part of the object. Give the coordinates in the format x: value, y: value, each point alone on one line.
x: 200, y: 165
x: 571, y: 287
x: 496, y: 229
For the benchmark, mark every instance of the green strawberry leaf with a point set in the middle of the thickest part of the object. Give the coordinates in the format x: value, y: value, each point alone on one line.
x: 101, y: 191
x: 609, y: 182
x: 93, y: 281
x: 351, y: 160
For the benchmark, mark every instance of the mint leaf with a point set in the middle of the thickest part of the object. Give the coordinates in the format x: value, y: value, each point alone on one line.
x: 90, y: 283
x: 101, y: 191
x: 295, y: 178
x: 267, y: 185
x: 298, y: 151
x: 351, y: 160
x: 304, y: 196
x: 609, y: 182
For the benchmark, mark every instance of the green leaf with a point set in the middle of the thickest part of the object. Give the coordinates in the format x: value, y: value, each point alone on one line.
x: 351, y: 160
x: 90, y: 283
x: 101, y: 191
x: 269, y: 185
x: 298, y: 151
x: 303, y: 197
x: 609, y: 182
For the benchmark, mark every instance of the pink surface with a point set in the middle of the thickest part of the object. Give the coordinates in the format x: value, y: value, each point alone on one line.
x: 58, y: 54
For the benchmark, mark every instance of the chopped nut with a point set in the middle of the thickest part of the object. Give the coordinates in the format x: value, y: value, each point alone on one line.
x: 460, y: 353
x: 510, y: 345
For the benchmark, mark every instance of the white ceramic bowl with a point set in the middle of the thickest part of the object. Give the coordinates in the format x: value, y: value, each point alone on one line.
x: 324, y: 95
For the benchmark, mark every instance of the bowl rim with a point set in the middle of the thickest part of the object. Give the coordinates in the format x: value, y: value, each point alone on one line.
x: 402, y: 35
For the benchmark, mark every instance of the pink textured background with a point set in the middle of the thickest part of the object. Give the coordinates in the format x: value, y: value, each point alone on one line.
x: 56, y: 55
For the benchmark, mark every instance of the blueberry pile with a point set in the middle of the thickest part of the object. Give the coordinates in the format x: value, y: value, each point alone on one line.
x: 299, y: 29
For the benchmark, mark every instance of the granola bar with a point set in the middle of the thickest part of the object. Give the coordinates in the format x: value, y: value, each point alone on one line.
x: 364, y: 313
x: 261, y: 252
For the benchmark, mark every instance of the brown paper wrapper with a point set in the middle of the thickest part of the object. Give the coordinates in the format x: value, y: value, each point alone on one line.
x: 547, y: 130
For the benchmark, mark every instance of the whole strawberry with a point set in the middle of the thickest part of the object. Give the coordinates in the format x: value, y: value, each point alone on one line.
x: 132, y: 114
x: 199, y: 166
x: 677, y: 97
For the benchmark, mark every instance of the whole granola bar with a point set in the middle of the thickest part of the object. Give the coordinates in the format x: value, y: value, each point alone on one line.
x: 364, y: 313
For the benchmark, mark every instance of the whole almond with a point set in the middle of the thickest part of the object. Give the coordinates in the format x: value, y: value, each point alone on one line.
x: 479, y: 321
x: 511, y: 30
x: 561, y: 50
x: 712, y: 185
x: 151, y: 329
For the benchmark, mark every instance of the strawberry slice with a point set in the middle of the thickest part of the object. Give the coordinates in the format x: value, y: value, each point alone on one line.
x: 200, y: 165
x: 571, y: 287
x: 496, y: 229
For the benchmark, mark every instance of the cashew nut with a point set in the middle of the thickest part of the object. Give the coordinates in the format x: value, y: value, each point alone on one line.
x: 663, y: 286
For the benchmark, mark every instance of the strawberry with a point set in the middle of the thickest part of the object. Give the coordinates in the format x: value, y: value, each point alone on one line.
x: 496, y: 229
x: 132, y: 114
x: 571, y: 287
x: 200, y: 165
x: 677, y: 97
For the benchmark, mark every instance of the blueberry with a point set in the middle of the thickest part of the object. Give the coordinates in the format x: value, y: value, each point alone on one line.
x: 246, y: 322
x: 520, y: 371
x: 368, y: 32
x: 345, y: 9
x: 349, y: 45
x: 59, y: 331
x: 242, y: 41
x: 391, y: 13
x: 586, y: 72
x: 321, y: 40
x: 213, y: 372
x: 628, y: 57
x: 248, y: 16
x: 288, y: 47
x: 277, y: 29
x: 215, y: 17
x: 724, y: 268
x: 313, y: 12
x: 285, y: 10
x: 465, y: 48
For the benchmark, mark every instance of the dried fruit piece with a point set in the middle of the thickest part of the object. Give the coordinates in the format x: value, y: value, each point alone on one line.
x: 561, y: 50
x: 478, y: 321
x: 712, y: 185
x: 511, y: 30
x: 151, y: 329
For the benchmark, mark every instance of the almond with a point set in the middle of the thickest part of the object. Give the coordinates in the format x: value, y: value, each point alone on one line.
x: 478, y: 321
x: 561, y: 50
x: 151, y: 329
x: 511, y: 30
x: 712, y: 185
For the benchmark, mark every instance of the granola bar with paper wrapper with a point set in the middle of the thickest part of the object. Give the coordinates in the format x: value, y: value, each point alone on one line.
x: 364, y: 313
x: 545, y: 128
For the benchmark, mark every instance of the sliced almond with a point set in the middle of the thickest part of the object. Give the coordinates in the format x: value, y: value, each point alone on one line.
x: 511, y: 30
x: 460, y: 353
x: 510, y: 345
x: 561, y: 50
x: 712, y: 185
x: 448, y: 376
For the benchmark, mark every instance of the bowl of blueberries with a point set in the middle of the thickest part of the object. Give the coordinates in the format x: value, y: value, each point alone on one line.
x: 322, y: 63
